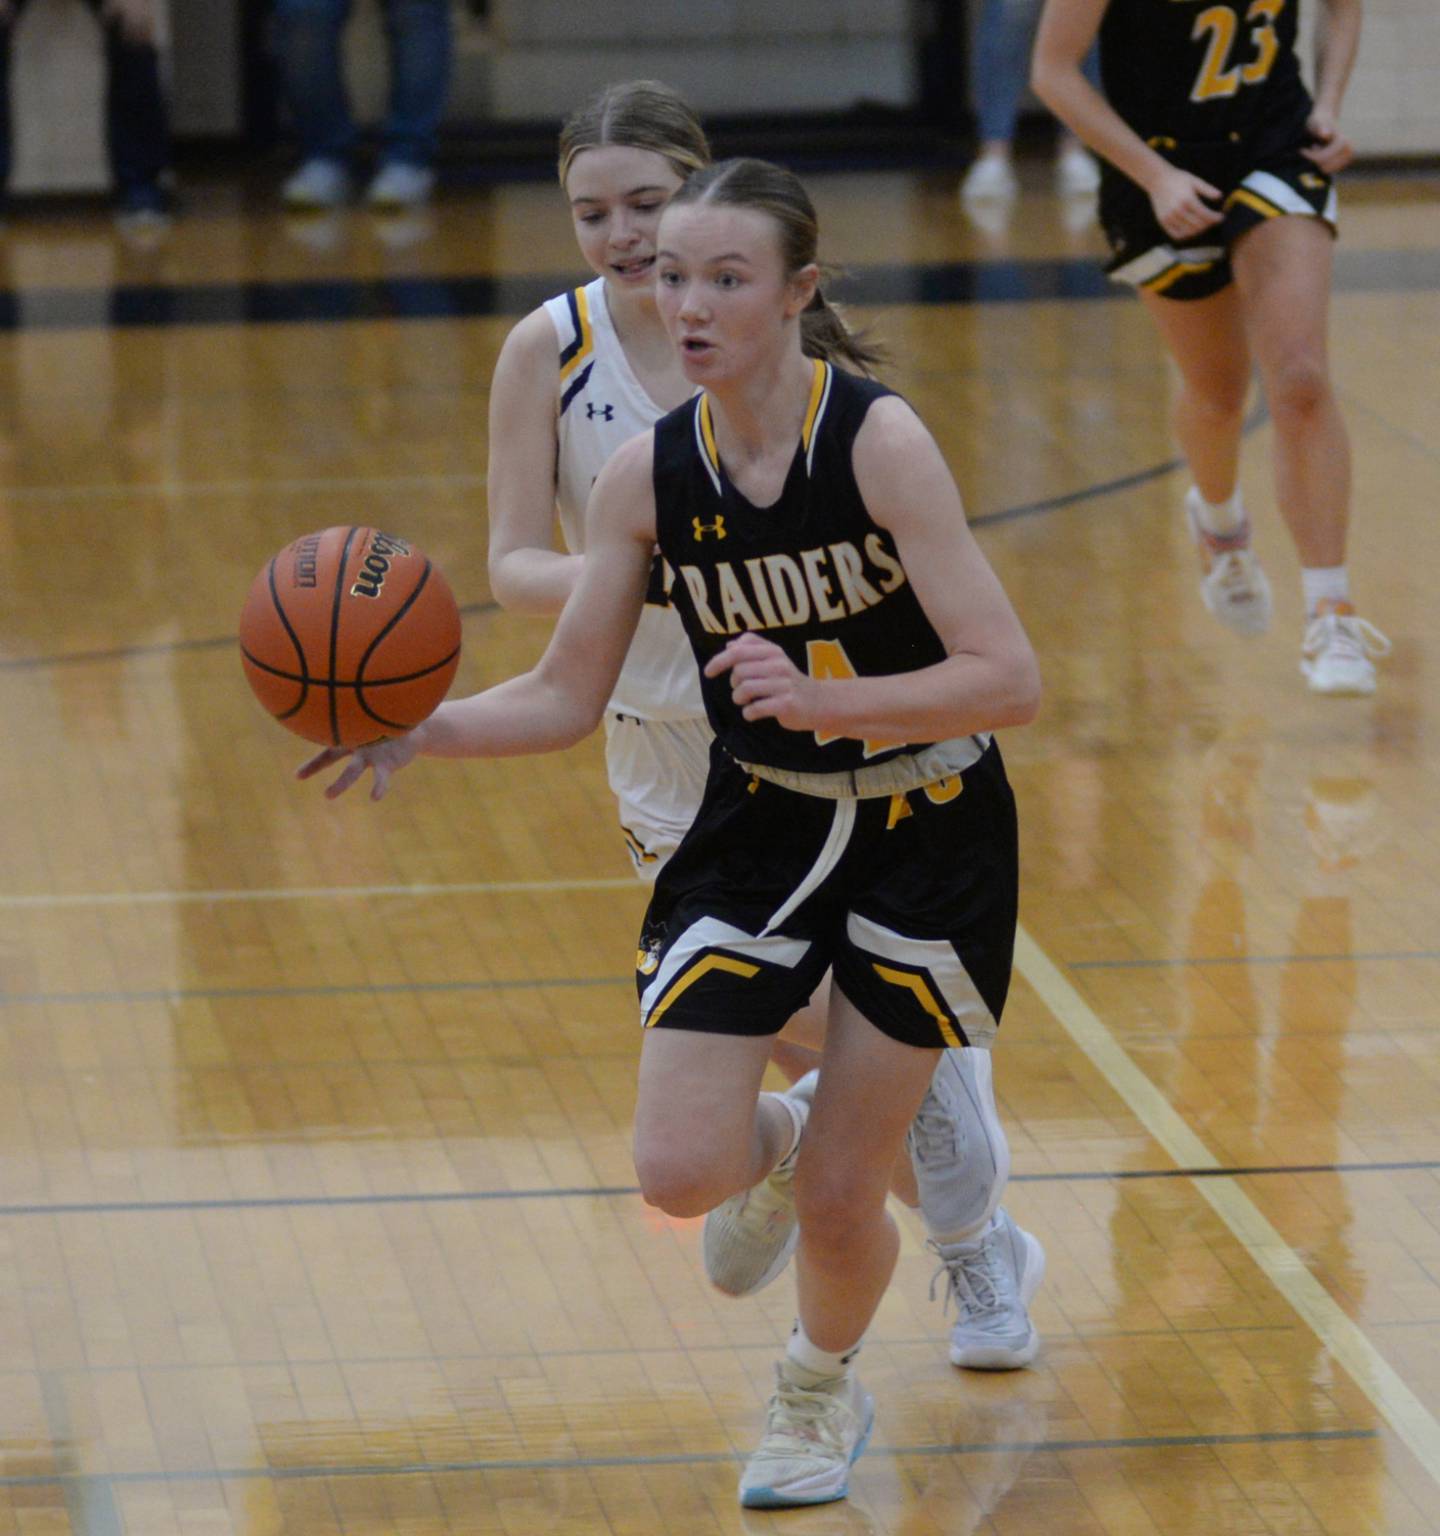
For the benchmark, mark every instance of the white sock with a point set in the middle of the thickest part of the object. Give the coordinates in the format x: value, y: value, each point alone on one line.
x: 1324, y: 584
x: 967, y: 1243
x: 807, y: 1365
x: 1222, y: 517
x: 797, y: 1122
x: 953, y: 1244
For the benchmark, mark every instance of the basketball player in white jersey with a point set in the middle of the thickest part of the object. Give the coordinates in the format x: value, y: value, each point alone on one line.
x: 578, y: 377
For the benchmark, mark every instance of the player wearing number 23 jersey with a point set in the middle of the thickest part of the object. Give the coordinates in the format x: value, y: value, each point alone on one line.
x: 1214, y: 86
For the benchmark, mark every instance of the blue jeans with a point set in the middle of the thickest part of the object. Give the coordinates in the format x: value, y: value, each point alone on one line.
x: 1001, y: 64
x: 418, y: 35
x: 137, y: 126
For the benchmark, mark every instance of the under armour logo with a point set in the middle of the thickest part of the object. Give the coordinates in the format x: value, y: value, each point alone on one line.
x: 604, y: 412
x: 701, y: 529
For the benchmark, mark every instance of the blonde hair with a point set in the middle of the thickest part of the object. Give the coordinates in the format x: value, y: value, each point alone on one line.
x: 772, y: 190
x: 639, y: 114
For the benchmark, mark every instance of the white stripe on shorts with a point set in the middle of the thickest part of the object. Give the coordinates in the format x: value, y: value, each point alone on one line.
x: 937, y: 958
x: 1160, y: 258
x: 708, y: 934
x: 1281, y: 193
x: 841, y: 827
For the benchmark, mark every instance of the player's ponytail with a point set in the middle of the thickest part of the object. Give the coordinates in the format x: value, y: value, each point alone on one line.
x: 773, y: 190
x: 824, y: 334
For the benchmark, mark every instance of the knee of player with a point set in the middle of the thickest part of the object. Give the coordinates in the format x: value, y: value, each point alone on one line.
x: 1298, y: 386
x: 676, y: 1182
x: 1224, y: 398
x: 833, y: 1210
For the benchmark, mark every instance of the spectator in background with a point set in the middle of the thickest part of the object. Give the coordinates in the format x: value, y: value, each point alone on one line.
x: 137, y: 127
x: 1000, y: 69
x: 418, y: 34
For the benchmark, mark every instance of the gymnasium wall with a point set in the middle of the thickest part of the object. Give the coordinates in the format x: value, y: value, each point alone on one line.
x: 534, y: 58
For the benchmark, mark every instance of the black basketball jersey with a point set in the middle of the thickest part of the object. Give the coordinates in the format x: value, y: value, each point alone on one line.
x: 1201, y: 70
x: 814, y: 573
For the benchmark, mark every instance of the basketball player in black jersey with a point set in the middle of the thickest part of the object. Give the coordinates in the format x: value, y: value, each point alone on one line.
x: 857, y: 651
x: 1218, y: 203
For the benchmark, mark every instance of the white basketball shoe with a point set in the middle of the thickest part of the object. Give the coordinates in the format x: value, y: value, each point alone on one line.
x: 1340, y: 650
x: 748, y: 1239
x: 993, y: 1280
x: 1233, y: 586
x: 813, y: 1436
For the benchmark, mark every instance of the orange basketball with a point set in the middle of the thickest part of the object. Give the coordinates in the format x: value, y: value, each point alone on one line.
x: 348, y: 635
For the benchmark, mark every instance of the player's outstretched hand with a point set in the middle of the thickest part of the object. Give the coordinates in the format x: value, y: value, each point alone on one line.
x: 1331, y: 150
x: 766, y: 683
x: 384, y: 758
x: 1180, y: 203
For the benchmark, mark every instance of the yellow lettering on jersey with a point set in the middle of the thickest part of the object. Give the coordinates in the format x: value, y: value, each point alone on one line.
x: 819, y: 583
x: 851, y: 571
x: 900, y: 808
x: 1218, y: 77
x: 827, y: 659
x: 894, y: 577
x: 788, y: 585
x: 1267, y: 44
x: 695, y: 581
x: 762, y: 593
x: 1214, y: 80
x: 942, y: 791
x: 738, y: 612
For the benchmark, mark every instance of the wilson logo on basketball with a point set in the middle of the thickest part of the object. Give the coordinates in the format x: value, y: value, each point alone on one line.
x: 307, y: 554
x: 371, y: 576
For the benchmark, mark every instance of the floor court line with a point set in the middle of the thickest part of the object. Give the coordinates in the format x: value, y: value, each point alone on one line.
x: 675, y: 1459
x: 1286, y: 1270
x: 309, y: 893
x: 224, y: 1203
x: 293, y: 485
x: 86, y: 1368
x: 1182, y: 962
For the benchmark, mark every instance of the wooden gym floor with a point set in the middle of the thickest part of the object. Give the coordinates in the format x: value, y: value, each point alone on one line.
x: 316, y: 1207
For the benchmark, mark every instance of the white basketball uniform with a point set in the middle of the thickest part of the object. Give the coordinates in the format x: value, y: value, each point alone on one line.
x: 657, y: 739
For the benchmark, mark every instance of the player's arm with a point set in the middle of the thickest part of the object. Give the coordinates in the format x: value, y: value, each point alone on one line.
x: 527, y: 574
x: 989, y: 677
x: 1337, y: 39
x: 562, y: 698
x: 1066, y: 34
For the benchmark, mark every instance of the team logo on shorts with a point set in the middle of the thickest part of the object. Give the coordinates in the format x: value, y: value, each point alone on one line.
x: 647, y: 959
x: 701, y: 529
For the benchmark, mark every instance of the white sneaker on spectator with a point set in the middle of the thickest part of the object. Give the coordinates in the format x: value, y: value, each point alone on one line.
x: 990, y: 179
x: 398, y: 184
x: 1233, y: 586
x: 1340, y: 649
x: 813, y: 1435
x: 748, y: 1239
x: 1076, y: 173
x: 318, y: 183
x: 993, y: 1280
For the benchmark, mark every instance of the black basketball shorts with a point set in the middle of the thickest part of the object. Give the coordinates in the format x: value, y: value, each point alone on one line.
x: 910, y: 899
x: 1277, y: 183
